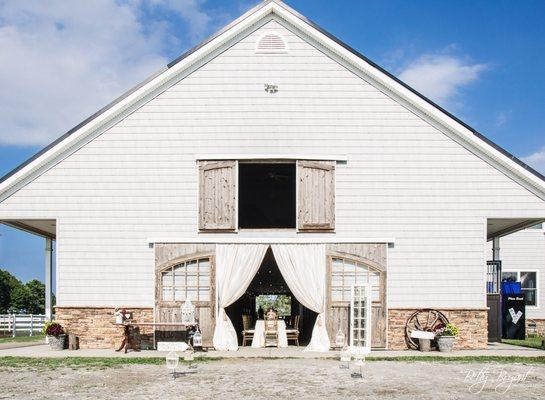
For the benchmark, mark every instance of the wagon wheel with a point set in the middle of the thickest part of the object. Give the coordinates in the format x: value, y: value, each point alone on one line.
x: 428, y: 320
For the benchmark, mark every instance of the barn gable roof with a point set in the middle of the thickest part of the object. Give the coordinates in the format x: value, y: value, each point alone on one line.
x: 194, y: 58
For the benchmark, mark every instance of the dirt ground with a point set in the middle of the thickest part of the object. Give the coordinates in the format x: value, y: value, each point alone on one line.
x: 281, y: 378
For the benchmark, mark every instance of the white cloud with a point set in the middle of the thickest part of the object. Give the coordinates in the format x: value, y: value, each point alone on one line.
x: 440, y: 76
x: 502, y: 118
x: 191, y: 13
x: 536, y: 160
x: 60, y: 61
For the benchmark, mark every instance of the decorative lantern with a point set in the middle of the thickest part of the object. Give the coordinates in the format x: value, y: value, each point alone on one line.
x: 359, y: 357
x: 172, y: 360
x: 197, y: 339
x: 189, y: 357
x: 345, y: 358
x: 188, y: 312
x: 119, y: 315
x: 340, y: 339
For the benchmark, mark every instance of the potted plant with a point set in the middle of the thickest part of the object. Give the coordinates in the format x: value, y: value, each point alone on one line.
x: 55, y: 335
x: 446, y: 337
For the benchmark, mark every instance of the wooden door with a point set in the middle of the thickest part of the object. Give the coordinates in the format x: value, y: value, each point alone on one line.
x: 343, y: 261
x: 199, y: 281
x: 316, y: 195
x: 217, y: 195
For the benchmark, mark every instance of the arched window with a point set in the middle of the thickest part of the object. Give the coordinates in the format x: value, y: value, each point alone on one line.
x: 187, y: 279
x: 346, y: 272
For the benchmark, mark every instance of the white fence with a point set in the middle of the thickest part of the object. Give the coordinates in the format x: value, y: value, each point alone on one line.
x: 21, y: 324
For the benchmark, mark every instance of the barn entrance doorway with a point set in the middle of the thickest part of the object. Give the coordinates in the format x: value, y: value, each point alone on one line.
x: 267, y: 290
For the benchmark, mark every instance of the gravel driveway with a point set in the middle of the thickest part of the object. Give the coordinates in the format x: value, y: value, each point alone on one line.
x: 281, y: 378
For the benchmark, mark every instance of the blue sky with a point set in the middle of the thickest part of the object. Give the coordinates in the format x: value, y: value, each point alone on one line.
x: 62, y: 60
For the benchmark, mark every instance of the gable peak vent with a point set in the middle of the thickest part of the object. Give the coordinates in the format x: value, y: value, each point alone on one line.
x: 271, y: 43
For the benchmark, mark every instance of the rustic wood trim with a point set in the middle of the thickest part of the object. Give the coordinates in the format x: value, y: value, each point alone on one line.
x: 359, y: 259
x: 183, y: 259
x: 328, y: 300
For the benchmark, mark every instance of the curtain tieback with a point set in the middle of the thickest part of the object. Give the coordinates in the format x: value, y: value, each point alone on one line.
x: 320, y: 320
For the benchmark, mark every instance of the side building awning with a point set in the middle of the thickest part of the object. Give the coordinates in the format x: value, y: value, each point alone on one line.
x: 498, y: 227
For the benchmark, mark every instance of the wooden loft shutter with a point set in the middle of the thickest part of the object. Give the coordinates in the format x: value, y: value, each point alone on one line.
x: 217, y: 195
x: 316, y: 191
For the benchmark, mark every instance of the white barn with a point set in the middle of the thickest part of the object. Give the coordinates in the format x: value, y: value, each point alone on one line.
x: 369, y: 172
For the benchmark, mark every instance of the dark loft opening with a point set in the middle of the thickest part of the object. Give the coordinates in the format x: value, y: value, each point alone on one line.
x: 266, y: 196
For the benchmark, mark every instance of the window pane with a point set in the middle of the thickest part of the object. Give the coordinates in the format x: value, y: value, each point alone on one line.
x: 179, y: 277
x: 337, y: 265
x: 204, y: 280
x: 528, y: 280
x: 204, y: 266
x: 191, y: 267
x: 509, y: 276
x: 531, y: 298
x: 166, y: 278
x: 204, y: 294
x: 192, y: 293
x: 167, y: 294
x: 336, y: 294
x: 192, y: 280
x: 179, y: 294
x: 337, y: 280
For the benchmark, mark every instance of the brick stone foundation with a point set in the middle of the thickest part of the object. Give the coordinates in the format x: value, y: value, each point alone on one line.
x: 95, y: 329
x: 94, y: 326
x: 473, y: 325
x: 540, y: 326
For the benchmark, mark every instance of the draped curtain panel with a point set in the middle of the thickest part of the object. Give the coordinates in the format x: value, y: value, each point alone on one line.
x: 236, y: 266
x: 303, y: 266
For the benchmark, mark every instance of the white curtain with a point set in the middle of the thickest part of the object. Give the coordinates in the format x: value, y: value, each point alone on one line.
x: 236, y: 266
x: 303, y: 266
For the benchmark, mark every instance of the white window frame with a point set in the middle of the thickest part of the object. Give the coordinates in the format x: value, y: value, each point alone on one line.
x: 519, y: 271
x: 368, y: 322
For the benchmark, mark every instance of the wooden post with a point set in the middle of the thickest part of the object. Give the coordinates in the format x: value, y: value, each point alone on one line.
x: 48, y: 277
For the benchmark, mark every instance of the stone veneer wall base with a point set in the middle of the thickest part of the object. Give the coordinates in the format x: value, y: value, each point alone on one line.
x: 473, y: 325
x: 95, y: 326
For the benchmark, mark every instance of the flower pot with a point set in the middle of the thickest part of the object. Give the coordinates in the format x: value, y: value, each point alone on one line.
x: 445, y: 343
x: 56, y: 342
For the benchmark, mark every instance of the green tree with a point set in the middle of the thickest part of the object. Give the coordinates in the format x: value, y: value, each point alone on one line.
x: 8, y: 283
x: 36, y: 297
x: 21, y: 298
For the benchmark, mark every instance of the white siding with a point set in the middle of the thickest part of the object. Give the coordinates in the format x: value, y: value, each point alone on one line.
x: 525, y: 251
x: 403, y: 178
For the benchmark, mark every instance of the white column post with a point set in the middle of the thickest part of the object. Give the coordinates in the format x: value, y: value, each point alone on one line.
x: 496, y: 248
x: 48, y: 277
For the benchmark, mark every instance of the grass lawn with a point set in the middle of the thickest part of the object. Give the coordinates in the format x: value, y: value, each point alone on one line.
x: 114, y: 362
x: 87, y: 362
x: 18, y: 339
x: 534, y: 342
